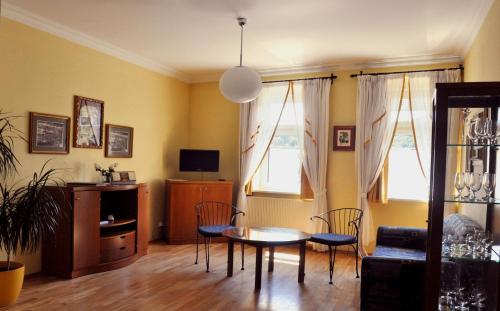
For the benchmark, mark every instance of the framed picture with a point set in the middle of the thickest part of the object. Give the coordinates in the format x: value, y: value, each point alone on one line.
x: 48, y: 133
x: 88, y: 123
x: 119, y: 141
x: 344, y: 138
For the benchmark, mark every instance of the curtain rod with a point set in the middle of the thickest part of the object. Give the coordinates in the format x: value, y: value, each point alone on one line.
x: 461, y: 67
x: 332, y: 77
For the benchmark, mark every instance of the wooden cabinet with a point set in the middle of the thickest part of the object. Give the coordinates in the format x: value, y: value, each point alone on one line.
x: 143, y: 225
x: 85, y: 242
x: 86, y: 229
x: 182, y: 196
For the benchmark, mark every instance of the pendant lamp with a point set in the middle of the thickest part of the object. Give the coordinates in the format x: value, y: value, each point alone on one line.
x: 240, y: 84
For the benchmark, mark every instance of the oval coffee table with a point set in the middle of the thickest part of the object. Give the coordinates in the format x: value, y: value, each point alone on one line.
x: 265, y: 237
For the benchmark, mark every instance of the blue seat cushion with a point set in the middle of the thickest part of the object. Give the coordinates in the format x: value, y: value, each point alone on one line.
x: 214, y: 230
x: 400, y: 253
x: 333, y: 239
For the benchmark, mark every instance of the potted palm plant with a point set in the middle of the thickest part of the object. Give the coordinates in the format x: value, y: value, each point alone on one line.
x: 28, y: 212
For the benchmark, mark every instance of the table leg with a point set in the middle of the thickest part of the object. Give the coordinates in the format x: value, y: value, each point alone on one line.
x: 270, y: 266
x: 230, y: 253
x: 258, y: 267
x: 302, y: 261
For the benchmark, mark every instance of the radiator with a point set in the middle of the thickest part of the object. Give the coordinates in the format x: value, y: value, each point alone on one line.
x: 278, y: 212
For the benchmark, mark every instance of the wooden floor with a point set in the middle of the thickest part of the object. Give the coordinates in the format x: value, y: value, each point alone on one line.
x: 167, y: 279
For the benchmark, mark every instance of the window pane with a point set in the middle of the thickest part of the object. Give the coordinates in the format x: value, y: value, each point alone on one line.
x: 405, y: 180
x: 281, y: 168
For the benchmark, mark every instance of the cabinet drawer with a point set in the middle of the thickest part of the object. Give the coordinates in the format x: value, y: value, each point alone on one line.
x: 117, y: 246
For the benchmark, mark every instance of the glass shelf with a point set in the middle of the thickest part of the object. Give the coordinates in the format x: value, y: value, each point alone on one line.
x: 492, y: 258
x: 474, y: 145
x: 452, y: 199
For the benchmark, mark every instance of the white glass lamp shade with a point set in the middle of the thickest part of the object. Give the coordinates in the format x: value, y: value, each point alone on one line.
x: 240, y: 84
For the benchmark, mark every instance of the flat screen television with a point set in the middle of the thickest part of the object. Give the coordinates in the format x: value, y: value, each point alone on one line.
x: 191, y: 160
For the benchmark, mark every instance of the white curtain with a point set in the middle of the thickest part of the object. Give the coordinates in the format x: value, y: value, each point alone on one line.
x: 258, y: 121
x: 313, y: 135
x: 421, y: 92
x: 378, y: 105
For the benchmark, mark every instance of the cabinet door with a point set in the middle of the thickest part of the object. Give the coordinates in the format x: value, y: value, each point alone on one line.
x: 143, y: 225
x: 86, y: 207
x: 220, y: 192
x: 182, y: 217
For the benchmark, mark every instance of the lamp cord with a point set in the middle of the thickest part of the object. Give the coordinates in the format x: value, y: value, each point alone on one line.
x: 241, y: 45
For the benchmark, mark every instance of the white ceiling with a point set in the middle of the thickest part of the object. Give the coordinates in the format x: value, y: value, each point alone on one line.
x: 195, y: 38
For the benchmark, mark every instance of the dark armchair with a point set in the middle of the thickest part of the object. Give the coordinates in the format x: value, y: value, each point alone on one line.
x: 212, y: 218
x: 393, y: 277
x: 343, y: 229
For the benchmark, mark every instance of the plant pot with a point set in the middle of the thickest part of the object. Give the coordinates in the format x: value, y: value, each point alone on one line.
x: 11, y: 282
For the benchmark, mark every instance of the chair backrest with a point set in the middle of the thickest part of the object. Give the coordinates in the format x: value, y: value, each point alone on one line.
x: 211, y: 213
x: 345, y: 221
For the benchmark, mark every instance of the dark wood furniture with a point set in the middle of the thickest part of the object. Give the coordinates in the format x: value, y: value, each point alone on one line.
x: 181, y: 198
x: 262, y: 238
x: 85, y: 242
x: 452, y: 100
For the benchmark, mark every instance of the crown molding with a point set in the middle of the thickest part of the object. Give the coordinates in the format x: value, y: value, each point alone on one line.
x: 36, y: 21
x: 477, y: 23
x: 383, y: 63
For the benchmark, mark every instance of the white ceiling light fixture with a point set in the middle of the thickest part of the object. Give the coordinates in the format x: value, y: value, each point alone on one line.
x: 240, y: 84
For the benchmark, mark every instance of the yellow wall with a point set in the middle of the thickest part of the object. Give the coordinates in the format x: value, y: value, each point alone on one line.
x: 40, y: 72
x: 482, y: 62
x: 342, y: 185
x: 214, y: 124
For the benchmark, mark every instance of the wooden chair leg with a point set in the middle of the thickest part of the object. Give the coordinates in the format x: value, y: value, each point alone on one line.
x: 242, y: 256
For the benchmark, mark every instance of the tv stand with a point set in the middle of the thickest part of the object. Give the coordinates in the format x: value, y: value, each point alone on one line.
x: 85, y: 241
x: 182, y: 195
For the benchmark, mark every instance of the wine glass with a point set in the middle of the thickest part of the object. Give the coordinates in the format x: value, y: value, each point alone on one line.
x: 475, y: 184
x: 472, y: 131
x: 489, y: 183
x: 459, y: 184
x: 490, y: 131
x: 480, y: 129
x: 468, y: 183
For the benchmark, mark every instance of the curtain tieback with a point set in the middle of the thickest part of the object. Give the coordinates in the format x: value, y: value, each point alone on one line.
x: 319, y: 194
x: 364, y: 195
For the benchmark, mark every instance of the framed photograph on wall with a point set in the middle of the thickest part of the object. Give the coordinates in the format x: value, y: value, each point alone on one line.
x: 119, y: 141
x: 48, y: 133
x: 344, y: 138
x: 88, y: 123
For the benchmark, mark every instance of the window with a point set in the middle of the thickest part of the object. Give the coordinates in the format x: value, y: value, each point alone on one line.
x: 280, y: 170
x: 405, y: 179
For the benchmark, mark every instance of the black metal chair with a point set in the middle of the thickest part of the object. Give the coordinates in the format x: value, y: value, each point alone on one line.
x: 212, y: 218
x: 345, y: 231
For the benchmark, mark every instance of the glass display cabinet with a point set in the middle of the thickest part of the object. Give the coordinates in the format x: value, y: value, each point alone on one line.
x: 464, y: 224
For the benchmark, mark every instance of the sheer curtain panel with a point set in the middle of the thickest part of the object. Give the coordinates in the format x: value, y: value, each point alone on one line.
x: 258, y: 121
x: 313, y: 136
x: 421, y: 93
x: 378, y: 104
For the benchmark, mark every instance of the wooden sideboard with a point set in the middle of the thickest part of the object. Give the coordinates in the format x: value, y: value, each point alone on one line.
x: 84, y: 242
x: 181, y: 197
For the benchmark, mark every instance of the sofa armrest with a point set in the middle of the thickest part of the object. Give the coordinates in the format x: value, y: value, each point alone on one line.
x: 402, y: 237
x: 392, y: 283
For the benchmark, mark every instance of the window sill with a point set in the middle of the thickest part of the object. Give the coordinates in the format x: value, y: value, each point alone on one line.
x: 277, y: 195
x: 396, y: 200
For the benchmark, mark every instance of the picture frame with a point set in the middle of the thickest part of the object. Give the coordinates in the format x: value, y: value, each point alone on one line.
x: 119, y: 141
x: 48, y: 133
x: 88, y: 123
x: 344, y: 138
